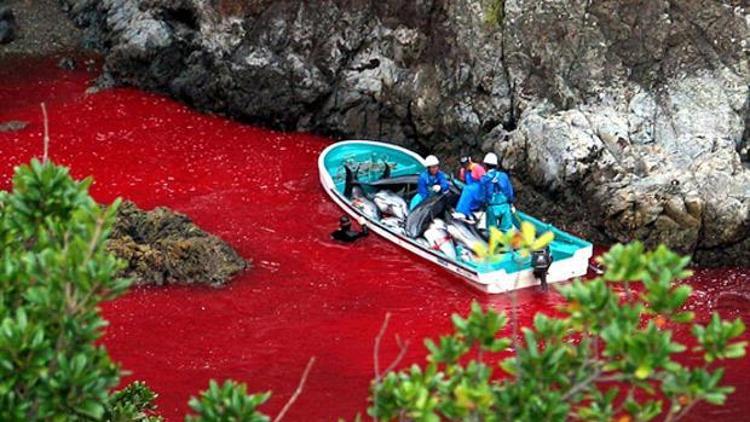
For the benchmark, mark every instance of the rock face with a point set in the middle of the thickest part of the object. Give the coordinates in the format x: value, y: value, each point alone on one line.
x: 164, y: 247
x: 634, y: 114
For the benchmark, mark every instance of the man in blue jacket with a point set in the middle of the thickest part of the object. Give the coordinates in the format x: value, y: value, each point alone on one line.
x: 472, y: 196
x: 431, y: 182
x: 498, y: 195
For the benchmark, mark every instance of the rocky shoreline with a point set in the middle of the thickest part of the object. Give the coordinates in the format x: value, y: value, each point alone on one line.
x: 621, y: 119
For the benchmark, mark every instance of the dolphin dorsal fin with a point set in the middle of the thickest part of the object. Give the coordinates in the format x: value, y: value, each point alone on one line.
x: 386, y: 171
x: 349, y: 182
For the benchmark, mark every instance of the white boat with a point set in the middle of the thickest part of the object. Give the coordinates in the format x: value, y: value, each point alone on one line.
x: 570, y: 254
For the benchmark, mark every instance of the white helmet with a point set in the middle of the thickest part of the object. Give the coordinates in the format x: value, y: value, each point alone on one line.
x: 431, y: 160
x: 490, y: 159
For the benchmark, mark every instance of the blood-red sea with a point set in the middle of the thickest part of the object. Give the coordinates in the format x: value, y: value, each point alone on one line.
x: 305, y: 295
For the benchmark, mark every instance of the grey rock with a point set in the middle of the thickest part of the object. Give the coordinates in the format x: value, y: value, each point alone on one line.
x: 635, y: 191
x: 67, y: 63
x: 421, y: 73
x: 620, y: 119
x: 13, y: 126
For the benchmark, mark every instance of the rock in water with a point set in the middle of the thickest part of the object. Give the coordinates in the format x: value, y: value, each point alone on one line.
x: 67, y: 63
x: 165, y: 247
x: 8, y: 25
x: 13, y: 126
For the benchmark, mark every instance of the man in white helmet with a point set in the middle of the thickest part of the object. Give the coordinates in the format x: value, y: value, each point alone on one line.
x: 498, y: 195
x: 431, y: 182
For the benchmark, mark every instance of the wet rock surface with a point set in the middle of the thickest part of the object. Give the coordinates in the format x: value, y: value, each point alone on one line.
x: 632, y: 113
x: 39, y: 28
x: 165, y: 247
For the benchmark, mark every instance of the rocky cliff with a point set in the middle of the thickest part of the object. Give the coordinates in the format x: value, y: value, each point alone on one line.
x: 623, y: 119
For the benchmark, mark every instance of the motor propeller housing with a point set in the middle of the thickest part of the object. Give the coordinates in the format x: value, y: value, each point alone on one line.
x: 541, y: 260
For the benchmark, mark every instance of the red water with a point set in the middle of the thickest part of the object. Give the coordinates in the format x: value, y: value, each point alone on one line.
x: 306, y: 296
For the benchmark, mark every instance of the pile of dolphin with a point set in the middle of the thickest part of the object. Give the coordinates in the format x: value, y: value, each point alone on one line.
x: 430, y: 223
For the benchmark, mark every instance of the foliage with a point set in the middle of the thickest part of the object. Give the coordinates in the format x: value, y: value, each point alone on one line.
x: 495, y: 12
x: 54, y: 271
x: 519, y: 242
x: 133, y: 403
x: 607, y: 356
x: 228, y: 402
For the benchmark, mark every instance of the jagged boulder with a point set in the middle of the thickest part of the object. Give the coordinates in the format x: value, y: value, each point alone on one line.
x: 165, y: 247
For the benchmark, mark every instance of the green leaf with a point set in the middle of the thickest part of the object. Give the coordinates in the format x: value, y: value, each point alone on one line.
x: 736, y: 350
x: 542, y: 241
x: 509, y: 365
x: 642, y: 372
x: 683, y: 317
x: 92, y: 409
x: 715, y: 398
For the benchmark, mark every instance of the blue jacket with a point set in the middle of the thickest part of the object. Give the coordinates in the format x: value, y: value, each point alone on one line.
x: 496, y: 181
x: 427, y: 181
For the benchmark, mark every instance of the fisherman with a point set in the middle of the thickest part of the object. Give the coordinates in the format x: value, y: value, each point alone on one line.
x: 471, y: 196
x: 498, y: 195
x: 470, y: 172
x: 431, y: 182
x: 345, y: 233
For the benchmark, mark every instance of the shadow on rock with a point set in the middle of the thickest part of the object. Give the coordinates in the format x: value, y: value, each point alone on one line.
x: 165, y: 247
x: 8, y: 26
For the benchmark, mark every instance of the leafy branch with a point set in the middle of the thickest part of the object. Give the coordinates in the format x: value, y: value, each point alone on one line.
x: 564, y: 367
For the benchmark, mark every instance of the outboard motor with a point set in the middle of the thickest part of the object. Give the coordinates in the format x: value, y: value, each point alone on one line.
x: 541, y: 260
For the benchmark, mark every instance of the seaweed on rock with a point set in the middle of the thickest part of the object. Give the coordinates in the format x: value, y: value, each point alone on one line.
x: 164, y: 247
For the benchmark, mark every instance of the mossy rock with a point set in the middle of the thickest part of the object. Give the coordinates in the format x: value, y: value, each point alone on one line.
x: 165, y: 247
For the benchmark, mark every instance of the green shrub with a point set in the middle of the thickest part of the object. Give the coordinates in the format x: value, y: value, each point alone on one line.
x: 54, y: 271
x: 605, y: 357
x: 133, y: 403
x: 228, y: 402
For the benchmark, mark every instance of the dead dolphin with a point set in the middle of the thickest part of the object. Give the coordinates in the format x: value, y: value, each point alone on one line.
x: 394, y: 184
x: 366, y: 207
x: 429, y: 209
x: 357, y: 196
x: 392, y: 204
x: 439, y: 239
x: 463, y: 233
